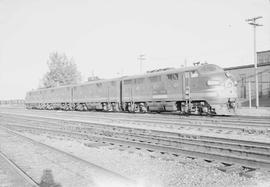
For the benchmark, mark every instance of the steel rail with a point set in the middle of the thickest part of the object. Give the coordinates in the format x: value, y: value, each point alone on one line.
x: 165, y: 132
x: 108, y: 174
x: 227, y: 158
x: 210, y: 152
x: 174, y: 125
x: 181, y: 121
x: 173, y: 140
x: 27, y: 178
x: 201, y: 119
x: 172, y: 135
x: 168, y: 132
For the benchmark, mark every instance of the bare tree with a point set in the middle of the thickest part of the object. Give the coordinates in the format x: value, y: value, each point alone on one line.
x: 62, y: 71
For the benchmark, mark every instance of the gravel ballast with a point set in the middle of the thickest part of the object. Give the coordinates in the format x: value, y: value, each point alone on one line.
x: 153, y: 169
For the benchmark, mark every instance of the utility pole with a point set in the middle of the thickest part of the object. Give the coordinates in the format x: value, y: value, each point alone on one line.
x: 252, y: 21
x: 141, y: 58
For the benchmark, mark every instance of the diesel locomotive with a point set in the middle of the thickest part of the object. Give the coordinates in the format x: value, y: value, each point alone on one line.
x: 203, y: 89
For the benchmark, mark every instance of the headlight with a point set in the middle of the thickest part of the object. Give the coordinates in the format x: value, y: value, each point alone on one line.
x: 213, y: 83
x: 229, y: 84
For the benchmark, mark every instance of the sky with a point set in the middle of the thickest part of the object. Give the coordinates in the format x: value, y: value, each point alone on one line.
x: 105, y: 37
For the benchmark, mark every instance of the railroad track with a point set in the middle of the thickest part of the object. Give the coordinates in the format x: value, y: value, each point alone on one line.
x: 99, y: 177
x: 226, y: 125
x: 221, y: 133
x: 18, y: 176
x: 249, y: 154
x: 158, y: 116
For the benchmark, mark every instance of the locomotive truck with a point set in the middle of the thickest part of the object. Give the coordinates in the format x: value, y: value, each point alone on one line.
x: 203, y: 89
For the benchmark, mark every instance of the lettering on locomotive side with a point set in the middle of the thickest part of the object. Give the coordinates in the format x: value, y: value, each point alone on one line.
x: 160, y: 96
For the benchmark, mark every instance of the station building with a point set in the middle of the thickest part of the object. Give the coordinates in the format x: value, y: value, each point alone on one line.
x: 245, y: 76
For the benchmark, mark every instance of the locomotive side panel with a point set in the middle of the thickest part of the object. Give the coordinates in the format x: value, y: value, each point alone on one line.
x: 30, y: 99
x: 97, y: 95
x: 84, y: 93
x: 141, y: 89
x: 174, y: 84
x: 57, y: 98
x: 153, y: 91
x: 200, y: 89
x: 61, y: 95
x: 114, y: 91
x: 135, y: 90
x: 158, y: 89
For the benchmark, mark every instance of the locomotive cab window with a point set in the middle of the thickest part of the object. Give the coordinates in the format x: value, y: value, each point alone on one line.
x: 194, y: 74
x: 173, y: 76
x: 228, y: 74
x: 99, y: 84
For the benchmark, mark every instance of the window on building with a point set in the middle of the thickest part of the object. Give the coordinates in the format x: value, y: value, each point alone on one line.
x: 243, y: 79
x: 260, y: 82
x: 265, y: 59
x: 243, y: 90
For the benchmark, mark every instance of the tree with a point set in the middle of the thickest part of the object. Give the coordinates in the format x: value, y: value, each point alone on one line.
x: 62, y: 71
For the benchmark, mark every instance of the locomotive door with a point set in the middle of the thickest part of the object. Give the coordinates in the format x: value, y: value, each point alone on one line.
x: 186, y: 86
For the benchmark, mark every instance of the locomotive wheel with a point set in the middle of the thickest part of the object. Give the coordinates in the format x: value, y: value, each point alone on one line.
x: 129, y: 108
x: 143, y: 108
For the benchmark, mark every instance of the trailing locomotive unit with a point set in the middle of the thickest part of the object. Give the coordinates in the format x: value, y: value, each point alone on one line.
x: 204, y: 89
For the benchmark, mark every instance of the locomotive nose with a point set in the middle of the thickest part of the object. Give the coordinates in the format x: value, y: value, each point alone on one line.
x: 230, y: 88
x: 228, y: 83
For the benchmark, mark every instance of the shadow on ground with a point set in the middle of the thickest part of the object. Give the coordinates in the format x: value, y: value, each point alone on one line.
x: 47, y: 179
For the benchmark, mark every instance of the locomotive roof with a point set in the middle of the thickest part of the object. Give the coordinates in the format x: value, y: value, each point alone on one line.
x: 176, y: 70
x: 77, y: 85
x: 169, y: 71
x: 162, y: 72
